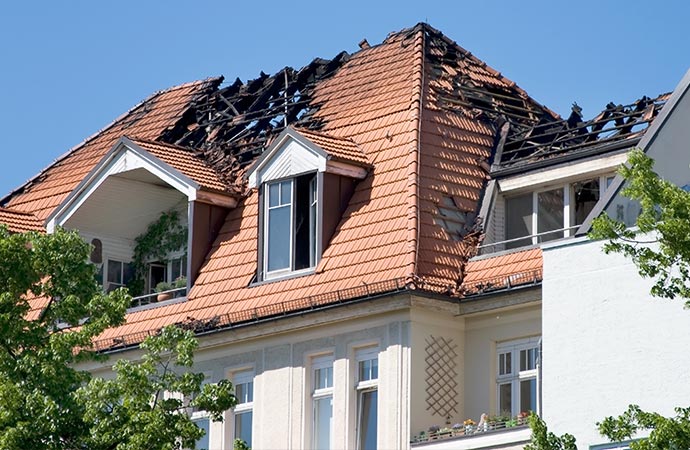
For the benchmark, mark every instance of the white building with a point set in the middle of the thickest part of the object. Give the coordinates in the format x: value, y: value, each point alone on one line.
x: 330, y: 219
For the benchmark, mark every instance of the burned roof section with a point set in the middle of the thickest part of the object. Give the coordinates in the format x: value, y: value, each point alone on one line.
x: 468, y: 86
x: 238, y: 121
x: 616, y: 126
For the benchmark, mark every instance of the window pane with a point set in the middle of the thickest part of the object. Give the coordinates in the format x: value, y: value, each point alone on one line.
x: 114, y: 272
x: 243, y: 427
x: 369, y: 369
x: 367, y: 420
x: 203, y: 443
x: 505, y: 404
x: 244, y: 392
x: 323, y: 378
x: 323, y: 422
x: 550, y: 214
x: 528, y: 395
x: 528, y: 359
x: 585, y: 196
x: 505, y: 364
x: 274, y: 194
x: 285, y: 192
x: 278, y: 238
x: 519, y: 219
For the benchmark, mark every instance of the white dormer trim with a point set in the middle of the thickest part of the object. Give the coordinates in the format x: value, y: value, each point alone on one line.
x: 564, y: 173
x: 124, y: 156
x: 292, y: 154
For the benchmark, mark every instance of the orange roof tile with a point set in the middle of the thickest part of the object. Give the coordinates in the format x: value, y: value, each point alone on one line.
x: 186, y: 162
x: 339, y: 148
x: 148, y: 120
x: 503, y: 271
x: 19, y: 222
x: 385, y: 107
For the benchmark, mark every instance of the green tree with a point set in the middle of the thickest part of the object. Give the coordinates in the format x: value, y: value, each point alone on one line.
x: 660, y: 248
x: 543, y: 439
x: 51, y: 309
x: 664, y: 221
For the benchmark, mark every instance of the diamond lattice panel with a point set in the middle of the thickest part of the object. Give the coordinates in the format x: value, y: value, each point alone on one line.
x: 441, y: 376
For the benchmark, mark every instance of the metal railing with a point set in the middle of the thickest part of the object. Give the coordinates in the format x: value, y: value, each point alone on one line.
x: 158, y: 297
x: 471, y: 429
x: 532, y: 238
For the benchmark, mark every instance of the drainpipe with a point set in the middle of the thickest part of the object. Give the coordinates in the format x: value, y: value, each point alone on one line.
x: 539, y: 378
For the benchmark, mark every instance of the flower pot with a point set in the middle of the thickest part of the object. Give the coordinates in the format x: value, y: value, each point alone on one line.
x: 163, y: 296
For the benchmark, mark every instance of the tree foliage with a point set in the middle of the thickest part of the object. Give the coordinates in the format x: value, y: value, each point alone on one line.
x: 665, y: 217
x: 51, y: 308
x: 543, y: 439
x: 665, y: 432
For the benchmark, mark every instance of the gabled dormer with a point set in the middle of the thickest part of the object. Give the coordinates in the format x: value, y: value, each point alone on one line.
x: 135, y: 184
x: 305, y: 180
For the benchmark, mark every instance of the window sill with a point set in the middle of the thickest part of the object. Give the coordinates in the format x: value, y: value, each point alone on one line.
x: 287, y: 276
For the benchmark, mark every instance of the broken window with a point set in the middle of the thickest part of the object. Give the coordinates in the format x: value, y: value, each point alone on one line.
x: 585, y: 194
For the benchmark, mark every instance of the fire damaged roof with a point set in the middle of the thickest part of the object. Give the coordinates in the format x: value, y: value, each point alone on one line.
x: 619, y: 126
x: 422, y: 113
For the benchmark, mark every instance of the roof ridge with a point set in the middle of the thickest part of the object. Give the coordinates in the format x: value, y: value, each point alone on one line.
x: 209, y: 81
x: 413, y: 165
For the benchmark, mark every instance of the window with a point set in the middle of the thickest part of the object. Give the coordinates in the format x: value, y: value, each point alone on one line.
x: 290, y: 225
x: 550, y: 214
x: 244, y: 391
x: 322, y: 397
x: 516, y: 378
x: 367, y: 397
x: 118, y: 275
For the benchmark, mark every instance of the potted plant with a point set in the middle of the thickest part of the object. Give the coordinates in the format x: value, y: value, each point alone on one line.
x: 469, y: 426
x: 163, y: 288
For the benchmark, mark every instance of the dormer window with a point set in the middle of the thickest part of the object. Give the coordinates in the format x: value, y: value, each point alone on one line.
x: 290, y: 228
x: 305, y: 180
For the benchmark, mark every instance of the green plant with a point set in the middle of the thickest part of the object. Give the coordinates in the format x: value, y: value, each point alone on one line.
x: 180, y: 282
x: 164, y: 286
x: 239, y: 444
x: 163, y: 236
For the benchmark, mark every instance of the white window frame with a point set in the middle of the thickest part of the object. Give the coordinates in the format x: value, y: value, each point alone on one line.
x: 364, y: 386
x: 196, y: 416
x: 106, y: 272
x: 568, y: 205
x: 320, y: 363
x: 516, y: 375
x: 314, y: 201
x: 241, y: 377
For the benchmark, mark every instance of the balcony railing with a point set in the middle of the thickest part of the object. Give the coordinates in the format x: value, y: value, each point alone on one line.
x: 471, y: 429
x: 534, y: 239
x: 158, y: 297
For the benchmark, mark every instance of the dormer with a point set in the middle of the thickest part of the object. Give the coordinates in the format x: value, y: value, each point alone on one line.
x: 132, y: 186
x: 305, y: 180
x: 537, y: 206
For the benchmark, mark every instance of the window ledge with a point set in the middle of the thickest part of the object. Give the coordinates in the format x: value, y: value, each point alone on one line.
x: 287, y: 276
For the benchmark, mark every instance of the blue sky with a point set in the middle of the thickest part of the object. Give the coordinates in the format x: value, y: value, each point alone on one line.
x: 69, y: 68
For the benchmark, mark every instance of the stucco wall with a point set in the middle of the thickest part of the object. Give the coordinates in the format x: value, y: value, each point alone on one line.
x: 483, y: 332
x: 606, y: 343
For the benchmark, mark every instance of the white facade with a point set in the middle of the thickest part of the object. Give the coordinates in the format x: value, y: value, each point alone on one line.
x: 606, y: 342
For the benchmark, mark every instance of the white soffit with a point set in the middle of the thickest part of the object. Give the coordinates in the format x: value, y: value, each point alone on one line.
x: 125, y: 156
x: 292, y: 154
x: 563, y: 173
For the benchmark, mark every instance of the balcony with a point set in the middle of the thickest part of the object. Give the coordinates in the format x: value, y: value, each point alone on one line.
x: 152, y: 300
x: 492, y: 433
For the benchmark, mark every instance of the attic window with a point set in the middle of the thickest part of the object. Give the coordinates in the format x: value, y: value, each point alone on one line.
x: 290, y: 225
x: 452, y: 218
